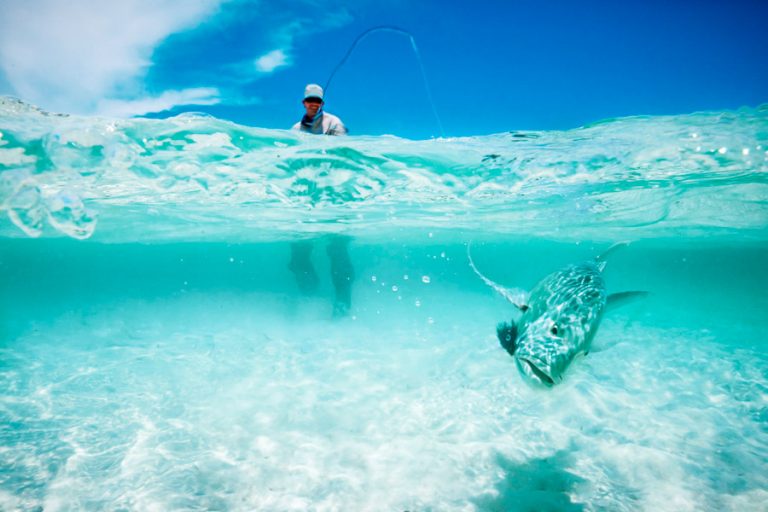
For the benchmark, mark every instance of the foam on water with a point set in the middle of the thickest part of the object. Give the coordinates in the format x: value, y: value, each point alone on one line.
x: 194, y: 177
x: 156, y: 355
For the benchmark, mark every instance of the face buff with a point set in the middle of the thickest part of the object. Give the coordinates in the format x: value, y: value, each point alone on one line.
x: 312, y: 122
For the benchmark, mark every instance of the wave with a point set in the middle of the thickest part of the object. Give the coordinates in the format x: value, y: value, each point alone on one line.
x: 194, y: 177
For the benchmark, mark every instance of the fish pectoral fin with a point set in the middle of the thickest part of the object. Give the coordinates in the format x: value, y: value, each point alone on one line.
x: 507, y: 334
x: 616, y: 300
x: 517, y: 296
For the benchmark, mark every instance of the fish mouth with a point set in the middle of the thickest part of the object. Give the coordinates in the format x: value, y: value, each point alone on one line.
x: 533, y: 372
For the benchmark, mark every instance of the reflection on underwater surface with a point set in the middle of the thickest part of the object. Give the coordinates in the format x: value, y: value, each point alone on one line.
x: 196, y: 376
x: 193, y: 178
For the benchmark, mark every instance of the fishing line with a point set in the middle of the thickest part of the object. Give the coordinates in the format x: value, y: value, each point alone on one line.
x: 398, y: 30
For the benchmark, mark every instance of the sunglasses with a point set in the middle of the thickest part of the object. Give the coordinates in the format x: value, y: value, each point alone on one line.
x: 313, y: 100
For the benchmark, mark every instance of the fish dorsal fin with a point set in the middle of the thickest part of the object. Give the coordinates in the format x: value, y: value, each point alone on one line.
x: 616, y: 300
x: 603, y: 258
x: 516, y: 296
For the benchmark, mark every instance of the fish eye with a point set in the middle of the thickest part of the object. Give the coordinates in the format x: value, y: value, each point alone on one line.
x: 553, y: 330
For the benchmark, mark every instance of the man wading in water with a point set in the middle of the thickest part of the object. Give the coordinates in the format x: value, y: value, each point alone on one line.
x: 322, y: 123
x: 315, y: 120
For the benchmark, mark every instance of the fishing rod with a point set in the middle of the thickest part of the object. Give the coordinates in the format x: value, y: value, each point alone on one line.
x: 390, y: 28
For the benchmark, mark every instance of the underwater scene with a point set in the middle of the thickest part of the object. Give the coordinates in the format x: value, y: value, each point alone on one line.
x: 199, y: 315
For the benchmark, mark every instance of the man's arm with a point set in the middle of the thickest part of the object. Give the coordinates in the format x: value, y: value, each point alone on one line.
x: 338, y: 129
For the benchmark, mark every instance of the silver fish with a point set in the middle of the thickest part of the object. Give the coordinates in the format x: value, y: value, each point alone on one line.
x: 560, y: 317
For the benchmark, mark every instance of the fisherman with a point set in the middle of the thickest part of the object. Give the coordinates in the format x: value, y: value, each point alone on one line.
x: 342, y: 274
x: 315, y: 120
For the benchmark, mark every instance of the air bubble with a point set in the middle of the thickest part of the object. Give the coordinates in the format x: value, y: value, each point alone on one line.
x: 405, y: 277
x: 722, y: 151
x: 68, y: 214
x: 394, y: 288
x: 417, y: 303
x: 26, y: 210
x: 425, y: 279
x: 430, y: 320
x: 373, y: 279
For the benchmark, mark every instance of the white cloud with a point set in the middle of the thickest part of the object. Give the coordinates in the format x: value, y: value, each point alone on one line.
x: 70, y: 56
x: 165, y: 101
x: 284, y: 35
x: 271, y: 61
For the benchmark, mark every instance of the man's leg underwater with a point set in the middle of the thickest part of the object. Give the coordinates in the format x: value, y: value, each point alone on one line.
x: 342, y: 273
x: 301, y: 266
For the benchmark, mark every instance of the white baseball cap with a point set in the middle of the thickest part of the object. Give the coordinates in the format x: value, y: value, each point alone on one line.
x: 313, y: 91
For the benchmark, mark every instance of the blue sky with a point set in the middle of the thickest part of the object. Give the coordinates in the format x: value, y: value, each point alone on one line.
x: 492, y: 66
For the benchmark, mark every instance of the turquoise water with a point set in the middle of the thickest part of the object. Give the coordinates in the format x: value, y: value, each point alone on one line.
x: 157, y: 353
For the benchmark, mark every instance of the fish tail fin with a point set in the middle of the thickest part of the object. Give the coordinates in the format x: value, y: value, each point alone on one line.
x: 603, y: 258
x: 507, y: 333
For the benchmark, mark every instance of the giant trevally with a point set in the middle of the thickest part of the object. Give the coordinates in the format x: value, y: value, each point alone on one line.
x: 560, y: 317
